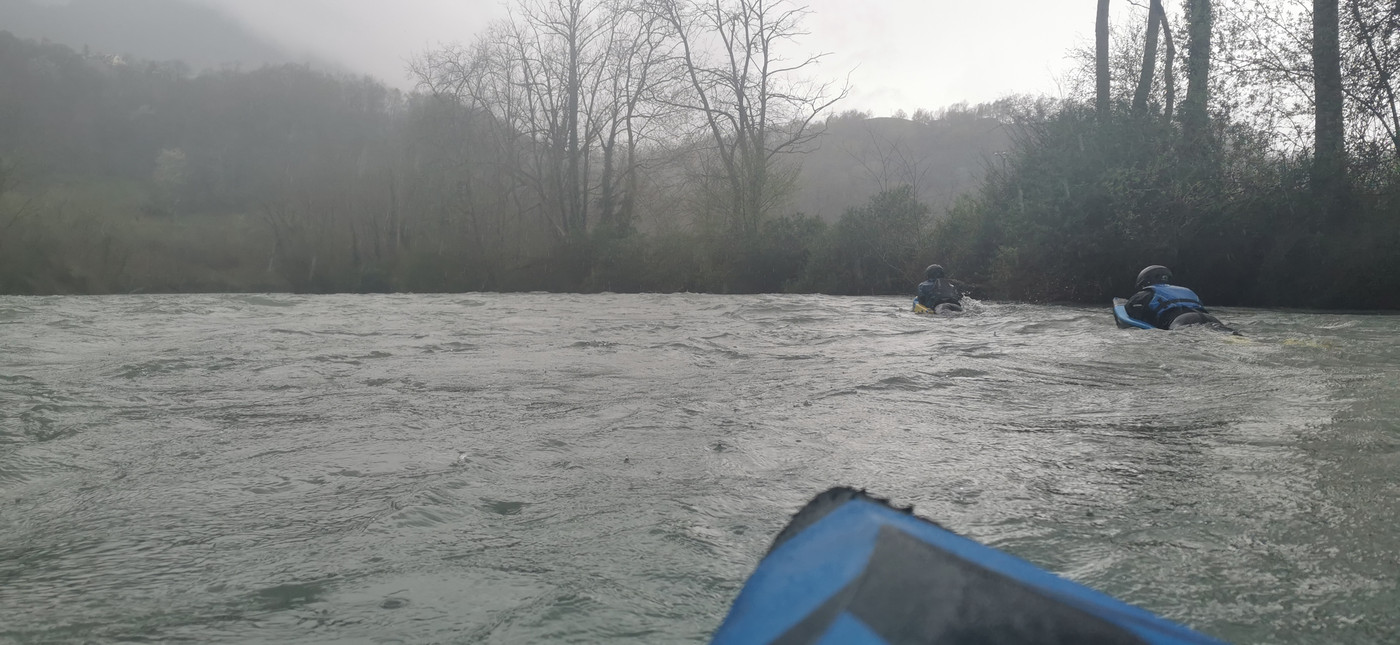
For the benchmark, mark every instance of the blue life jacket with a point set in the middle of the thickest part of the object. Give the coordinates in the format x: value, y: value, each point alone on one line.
x: 1169, y: 301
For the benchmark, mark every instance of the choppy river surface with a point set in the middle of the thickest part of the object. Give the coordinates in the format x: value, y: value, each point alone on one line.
x: 536, y: 468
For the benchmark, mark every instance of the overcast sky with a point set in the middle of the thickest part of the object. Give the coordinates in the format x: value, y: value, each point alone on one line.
x: 901, y: 54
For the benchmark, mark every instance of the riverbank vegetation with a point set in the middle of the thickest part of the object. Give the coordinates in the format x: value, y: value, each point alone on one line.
x: 587, y: 146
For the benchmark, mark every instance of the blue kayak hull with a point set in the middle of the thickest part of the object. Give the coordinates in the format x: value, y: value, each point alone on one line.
x: 1123, y: 320
x: 849, y: 568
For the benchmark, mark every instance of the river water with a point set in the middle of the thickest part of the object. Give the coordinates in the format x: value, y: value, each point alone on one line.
x: 540, y: 468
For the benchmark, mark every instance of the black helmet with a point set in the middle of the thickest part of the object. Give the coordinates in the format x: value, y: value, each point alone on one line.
x: 934, y: 271
x: 1155, y: 274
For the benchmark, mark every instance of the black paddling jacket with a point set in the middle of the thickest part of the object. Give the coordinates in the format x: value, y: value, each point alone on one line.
x: 936, y: 292
x: 1160, y: 304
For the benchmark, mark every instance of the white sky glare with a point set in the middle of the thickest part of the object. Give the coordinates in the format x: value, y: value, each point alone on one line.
x: 910, y: 54
x: 900, y: 54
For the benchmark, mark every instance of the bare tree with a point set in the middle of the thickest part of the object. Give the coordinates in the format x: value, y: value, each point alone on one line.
x: 1169, y: 70
x: 559, y: 52
x: 1132, y: 53
x: 11, y: 217
x: 749, y: 97
x: 573, y: 85
x: 1373, y: 70
x: 1101, y: 68
x: 1149, y: 57
x: 473, y: 147
x: 1265, y: 69
x: 889, y: 163
x: 635, y: 78
x: 1269, y: 63
x: 531, y: 73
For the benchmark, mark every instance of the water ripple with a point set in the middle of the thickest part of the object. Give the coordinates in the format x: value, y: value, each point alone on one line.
x: 253, y: 468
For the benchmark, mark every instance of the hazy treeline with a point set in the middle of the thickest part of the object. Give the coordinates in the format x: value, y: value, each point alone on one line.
x: 658, y: 145
x: 125, y: 175
x: 576, y: 146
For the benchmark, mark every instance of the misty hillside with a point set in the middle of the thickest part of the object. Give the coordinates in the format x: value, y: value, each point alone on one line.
x: 160, y: 30
x: 857, y: 158
x: 860, y: 157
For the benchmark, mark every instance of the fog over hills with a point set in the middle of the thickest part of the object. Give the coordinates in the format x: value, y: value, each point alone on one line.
x: 159, y: 30
x: 858, y: 157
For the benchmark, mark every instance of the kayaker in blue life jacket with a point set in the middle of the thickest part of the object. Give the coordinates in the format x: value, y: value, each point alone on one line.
x: 938, y: 289
x: 1166, y: 306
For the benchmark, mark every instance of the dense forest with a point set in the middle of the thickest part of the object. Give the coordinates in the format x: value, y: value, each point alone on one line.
x: 667, y: 145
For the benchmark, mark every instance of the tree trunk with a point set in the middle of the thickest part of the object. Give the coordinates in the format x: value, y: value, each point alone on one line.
x: 1149, y: 59
x: 606, y: 191
x: 1168, y: 70
x: 1101, y: 73
x: 575, y: 224
x: 1329, y: 159
x: 1194, y: 117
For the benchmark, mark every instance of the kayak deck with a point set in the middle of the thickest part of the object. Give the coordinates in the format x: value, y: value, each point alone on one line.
x: 850, y: 568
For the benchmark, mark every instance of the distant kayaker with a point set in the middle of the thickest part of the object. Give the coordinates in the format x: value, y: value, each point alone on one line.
x: 1166, y: 306
x: 938, y: 289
